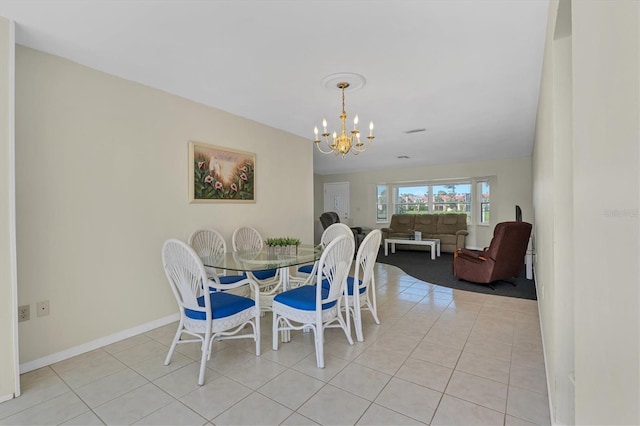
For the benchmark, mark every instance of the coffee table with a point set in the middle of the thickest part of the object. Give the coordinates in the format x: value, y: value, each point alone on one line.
x: 434, y: 243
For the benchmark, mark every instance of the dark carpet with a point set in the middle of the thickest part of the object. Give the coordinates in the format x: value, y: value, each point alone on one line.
x: 419, y: 265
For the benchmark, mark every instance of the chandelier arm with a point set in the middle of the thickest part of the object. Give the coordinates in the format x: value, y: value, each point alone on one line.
x: 363, y: 146
x: 358, y: 149
x: 320, y: 149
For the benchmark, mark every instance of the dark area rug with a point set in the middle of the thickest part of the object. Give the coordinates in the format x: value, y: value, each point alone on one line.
x: 419, y: 265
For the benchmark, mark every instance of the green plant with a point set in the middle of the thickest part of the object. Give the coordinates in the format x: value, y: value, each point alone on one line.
x: 286, y: 241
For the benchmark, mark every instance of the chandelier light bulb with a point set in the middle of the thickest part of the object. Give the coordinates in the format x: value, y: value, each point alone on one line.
x: 355, y: 122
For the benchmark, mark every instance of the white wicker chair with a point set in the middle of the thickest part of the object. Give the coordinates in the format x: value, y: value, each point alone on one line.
x: 317, y: 307
x: 210, y: 243
x: 248, y: 238
x: 306, y: 273
x: 206, y: 315
x: 363, y: 295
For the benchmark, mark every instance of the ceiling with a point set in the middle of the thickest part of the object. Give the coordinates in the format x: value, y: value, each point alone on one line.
x: 466, y: 71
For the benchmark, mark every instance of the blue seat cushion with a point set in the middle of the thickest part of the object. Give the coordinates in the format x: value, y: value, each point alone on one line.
x: 325, y: 284
x: 223, y: 304
x: 303, y: 298
x: 306, y: 269
x: 228, y: 279
x: 263, y: 275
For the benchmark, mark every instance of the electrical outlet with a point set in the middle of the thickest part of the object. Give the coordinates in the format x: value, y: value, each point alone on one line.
x: 24, y: 313
x: 43, y: 308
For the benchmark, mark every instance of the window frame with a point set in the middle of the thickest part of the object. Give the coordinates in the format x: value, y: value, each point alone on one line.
x: 384, y: 203
x: 474, y: 203
x: 480, y: 203
x: 468, y: 202
x: 395, y: 191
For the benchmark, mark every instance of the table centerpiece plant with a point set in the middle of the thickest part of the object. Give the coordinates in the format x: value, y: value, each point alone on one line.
x: 286, y: 245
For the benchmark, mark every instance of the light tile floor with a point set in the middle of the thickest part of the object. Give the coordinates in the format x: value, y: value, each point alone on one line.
x: 440, y: 357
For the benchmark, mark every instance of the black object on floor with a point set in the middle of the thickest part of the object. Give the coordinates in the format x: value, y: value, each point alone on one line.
x: 419, y: 265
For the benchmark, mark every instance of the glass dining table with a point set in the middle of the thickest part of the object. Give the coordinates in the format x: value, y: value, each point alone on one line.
x: 252, y: 261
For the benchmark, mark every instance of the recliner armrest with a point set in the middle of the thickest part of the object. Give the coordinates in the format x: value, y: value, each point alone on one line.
x: 462, y: 232
x: 475, y: 254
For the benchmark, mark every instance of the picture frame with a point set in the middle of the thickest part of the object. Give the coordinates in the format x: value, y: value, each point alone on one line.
x: 220, y: 174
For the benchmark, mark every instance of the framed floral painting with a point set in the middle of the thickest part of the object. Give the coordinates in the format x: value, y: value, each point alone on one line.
x: 218, y: 174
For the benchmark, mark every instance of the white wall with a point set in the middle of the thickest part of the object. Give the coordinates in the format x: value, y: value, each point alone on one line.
x: 102, y: 182
x: 606, y: 57
x: 511, y: 184
x: 9, y: 383
x: 554, y: 215
x: 586, y: 199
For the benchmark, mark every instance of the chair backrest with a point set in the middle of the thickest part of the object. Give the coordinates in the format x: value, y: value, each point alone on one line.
x: 509, y: 245
x: 333, y: 268
x: 246, y: 238
x: 366, y: 258
x: 208, y: 242
x: 334, y: 231
x: 186, y: 275
x: 450, y: 223
x: 329, y: 218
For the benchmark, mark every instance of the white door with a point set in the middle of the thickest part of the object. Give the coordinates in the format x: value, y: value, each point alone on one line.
x: 336, y: 199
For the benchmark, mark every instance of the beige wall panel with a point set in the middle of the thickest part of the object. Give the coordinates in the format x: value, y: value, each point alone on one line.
x: 8, y: 315
x: 606, y: 59
x: 554, y: 216
x: 102, y: 182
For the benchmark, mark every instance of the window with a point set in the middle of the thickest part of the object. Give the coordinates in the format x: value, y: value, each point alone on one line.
x: 412, y: 199
x: 382, y: 204
x: 465, y: 196
x: 484, y: 192
x: 452, y: 198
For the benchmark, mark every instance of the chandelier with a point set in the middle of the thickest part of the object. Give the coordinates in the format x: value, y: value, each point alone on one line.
x: 343, y: 143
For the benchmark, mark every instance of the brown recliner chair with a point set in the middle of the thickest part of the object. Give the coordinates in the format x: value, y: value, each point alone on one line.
x: 502, y: 260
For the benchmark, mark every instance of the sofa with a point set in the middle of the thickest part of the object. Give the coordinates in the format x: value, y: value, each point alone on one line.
x: 449, y: 228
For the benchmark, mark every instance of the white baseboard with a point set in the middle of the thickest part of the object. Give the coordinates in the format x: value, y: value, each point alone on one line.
x: 95, y: 344
x: 4, y: 398
x: 552, y: 416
